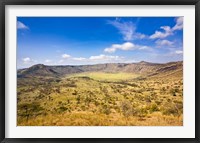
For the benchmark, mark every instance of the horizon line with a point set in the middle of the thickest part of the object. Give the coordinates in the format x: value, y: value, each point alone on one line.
x: 102, y: 64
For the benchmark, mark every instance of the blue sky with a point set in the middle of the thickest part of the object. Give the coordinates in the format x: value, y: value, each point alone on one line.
x: 93, y: 40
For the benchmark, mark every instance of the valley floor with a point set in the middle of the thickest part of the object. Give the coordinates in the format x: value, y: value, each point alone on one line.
x: 101, y: 99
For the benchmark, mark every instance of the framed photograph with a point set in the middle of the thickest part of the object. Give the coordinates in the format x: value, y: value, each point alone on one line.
x: 99, y: 71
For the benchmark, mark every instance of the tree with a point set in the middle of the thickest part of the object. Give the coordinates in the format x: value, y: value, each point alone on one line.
x: 29, y: 109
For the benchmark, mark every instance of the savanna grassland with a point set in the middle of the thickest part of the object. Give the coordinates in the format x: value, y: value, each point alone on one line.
x: 140, y: 94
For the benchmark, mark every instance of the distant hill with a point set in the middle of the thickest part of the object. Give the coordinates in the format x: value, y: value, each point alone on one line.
x: 143, y: 68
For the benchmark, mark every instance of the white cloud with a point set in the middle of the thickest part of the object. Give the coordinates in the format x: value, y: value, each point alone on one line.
x: 26, y: 60
x: 131, y: 61
x: 143, y: 47
x: 65, y: 56
x: 168, y: 30
x: 79, y: 59
x: 127, y: 29
x: 140, y: 36
x: 159, y: 34
x: 21, y: 25
x: 164, y: 43
x: 47, y: 61
x: 105, y: 57
x: 179, y: 24
x: 125, y: 46
x: 60, y: 61
x: 179, y: 52
x: 93, y: 59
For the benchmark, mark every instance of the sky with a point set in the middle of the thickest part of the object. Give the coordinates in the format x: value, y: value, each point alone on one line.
x: 94, y: 40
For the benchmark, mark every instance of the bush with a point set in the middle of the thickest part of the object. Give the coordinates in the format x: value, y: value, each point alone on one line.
x: 62, y: 109
x: 153, y: 108
x: 27, y: 110
x: 173, y: 109
x: 173, y: 92
x: 126, y: 108
x: 105, y: 109
x: 141, y: 112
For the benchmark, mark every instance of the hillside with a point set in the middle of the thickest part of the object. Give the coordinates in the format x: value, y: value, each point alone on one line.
x: 144, y: 68
x: 117, y: 94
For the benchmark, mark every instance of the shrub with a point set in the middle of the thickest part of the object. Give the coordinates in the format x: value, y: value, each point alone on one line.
x: 78, y: 98
x: 153, y: 108
x: 29, y: 109
x: 172, y: 109
x: 126, y: 108
x: 62, y: 109
x: 105, y: 109
x: 173, y: 92
x: 143, y: 112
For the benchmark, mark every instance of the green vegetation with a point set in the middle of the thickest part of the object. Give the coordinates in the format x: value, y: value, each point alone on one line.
x: 101, y: 99
x: 102, y: 76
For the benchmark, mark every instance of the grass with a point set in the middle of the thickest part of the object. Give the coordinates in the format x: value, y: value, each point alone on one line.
x: 100, y: 99
x: 102, y: 76
x: 89, y: 118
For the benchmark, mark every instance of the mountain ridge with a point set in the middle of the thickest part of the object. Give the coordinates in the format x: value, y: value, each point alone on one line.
x: 142, y: 67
